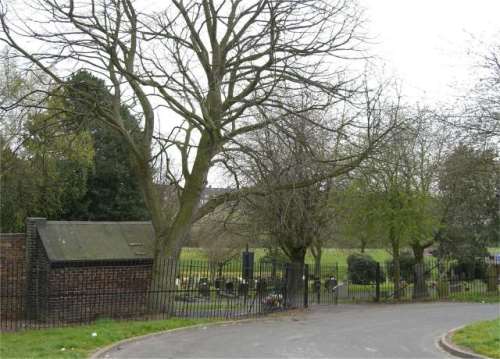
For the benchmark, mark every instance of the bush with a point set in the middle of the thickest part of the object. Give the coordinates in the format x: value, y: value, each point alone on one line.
x: 468, y: 269
x: 406, y: 265
x: 362, y: 269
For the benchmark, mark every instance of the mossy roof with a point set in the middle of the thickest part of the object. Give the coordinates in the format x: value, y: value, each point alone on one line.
x: 96, y: 241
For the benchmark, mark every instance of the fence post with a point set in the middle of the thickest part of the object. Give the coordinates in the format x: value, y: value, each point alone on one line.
x: 337, y: 276
x: 317, y: 288
x: 306, y: 285
x: 377, y: 283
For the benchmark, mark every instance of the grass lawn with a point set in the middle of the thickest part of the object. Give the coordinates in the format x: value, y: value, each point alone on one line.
x: 78, y: 341
x: 484, y: 297
x: 481, y: 337
x: 330, y: 255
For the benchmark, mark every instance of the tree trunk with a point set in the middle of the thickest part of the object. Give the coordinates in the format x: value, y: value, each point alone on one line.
x: 419, y: 287
x: 317, y: 266
x: 363, y: 245
x: 317, y: 252
x: 295, y: 281
x: 163, y: 286
x: 396, y: 264
x: 171, y: 234
x: 163, y: 272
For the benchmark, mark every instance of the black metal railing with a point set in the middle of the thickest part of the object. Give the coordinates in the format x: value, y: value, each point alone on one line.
x: 78, y: 293
x: 81, y: 293
x: 433, y: 280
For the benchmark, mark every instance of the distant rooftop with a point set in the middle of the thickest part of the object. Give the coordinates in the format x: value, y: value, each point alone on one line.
x: 209, y: 192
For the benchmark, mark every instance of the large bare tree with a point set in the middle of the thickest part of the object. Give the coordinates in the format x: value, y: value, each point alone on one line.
x: 208, y: 72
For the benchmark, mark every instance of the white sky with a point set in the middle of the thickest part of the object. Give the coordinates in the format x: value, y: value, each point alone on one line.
x: 425, y: 42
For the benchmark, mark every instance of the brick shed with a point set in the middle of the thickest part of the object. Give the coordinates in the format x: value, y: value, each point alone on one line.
x: 79, y: 271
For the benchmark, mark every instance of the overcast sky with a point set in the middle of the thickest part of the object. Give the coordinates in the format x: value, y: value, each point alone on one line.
x: 425, y: 42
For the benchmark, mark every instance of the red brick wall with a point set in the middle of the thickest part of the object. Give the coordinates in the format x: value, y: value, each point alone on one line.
x: 12, y: 276
x: 70, y: 294
x: 12, y: 248
x: 87, y: 293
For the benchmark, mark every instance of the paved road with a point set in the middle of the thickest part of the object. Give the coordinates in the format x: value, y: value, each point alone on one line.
x: 343, y: 331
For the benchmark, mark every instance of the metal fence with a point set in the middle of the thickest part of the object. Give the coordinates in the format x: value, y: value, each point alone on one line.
x: 78, y: 294
x: 60, y: 295
x: 432, y: 280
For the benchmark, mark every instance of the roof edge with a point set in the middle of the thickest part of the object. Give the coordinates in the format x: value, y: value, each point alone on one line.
x: 98, y: 222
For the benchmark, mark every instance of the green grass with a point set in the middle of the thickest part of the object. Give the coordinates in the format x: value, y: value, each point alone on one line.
x: 330, y: 255
x: 484, y: 297
x: 494, y: 250
x: 78, y: 342
x: 481, y: 337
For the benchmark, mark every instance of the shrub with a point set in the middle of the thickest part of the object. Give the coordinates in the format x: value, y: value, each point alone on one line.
x: 362, y: 269
x: 468, y: 269
x: 406, y: 265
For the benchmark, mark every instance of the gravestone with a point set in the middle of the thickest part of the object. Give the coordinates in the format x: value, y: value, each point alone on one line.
x: 204, y: 287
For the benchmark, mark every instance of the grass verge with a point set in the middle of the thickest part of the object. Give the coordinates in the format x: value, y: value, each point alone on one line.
x: 481, y: 337
x: 79, y: 341
x: 475, y: 297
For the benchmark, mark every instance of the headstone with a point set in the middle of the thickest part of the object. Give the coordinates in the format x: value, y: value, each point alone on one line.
x: 243, y: 288
x: 229, y: 287
x: 247, y: 265
x: 261, y: 286
x: 204, y: 287
x: 331, y: 283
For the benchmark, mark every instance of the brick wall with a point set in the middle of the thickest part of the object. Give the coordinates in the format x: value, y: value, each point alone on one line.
x: 79, y: 294
x: 12, y: 275
x: 34, y: 290
x: 12, y: 248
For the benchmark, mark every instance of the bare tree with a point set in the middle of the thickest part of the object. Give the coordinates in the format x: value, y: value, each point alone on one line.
x: 221, y: 68
x: 222, y: 235
x: 303, y: 150
x: 292, y: 218
x: 477, y: 114
x: 19, y: 98
x: 485, y: 109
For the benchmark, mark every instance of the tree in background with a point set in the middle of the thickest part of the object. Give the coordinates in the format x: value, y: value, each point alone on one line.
x: 469, y: 187
x: 222, y: 236
x: 66, y: 165
x: 480, y: 118
x: 357, y: 221
x: 294, y: 218
x: 16, y: 191
x: 47, y: 175
x: 390, y: 200
x: 20, y: 97
x: 112, y: 187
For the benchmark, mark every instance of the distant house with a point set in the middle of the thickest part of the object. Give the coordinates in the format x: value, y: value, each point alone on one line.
x: 167, y: 192
x: 210, y: 192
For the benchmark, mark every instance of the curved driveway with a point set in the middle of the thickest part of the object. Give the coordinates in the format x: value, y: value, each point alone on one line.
x: 343, y: 331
